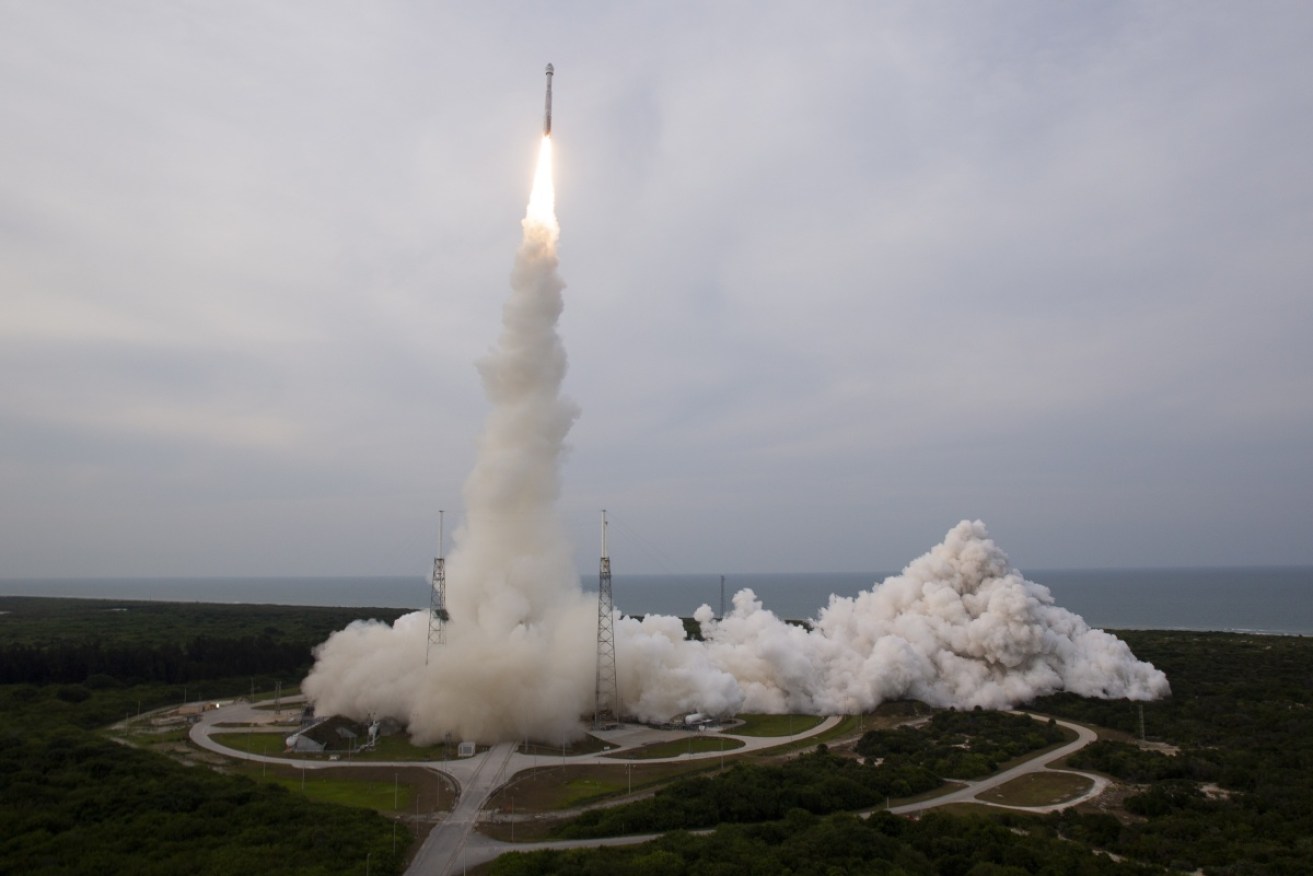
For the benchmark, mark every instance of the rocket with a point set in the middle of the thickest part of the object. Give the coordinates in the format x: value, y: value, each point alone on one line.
x: 547, y: 115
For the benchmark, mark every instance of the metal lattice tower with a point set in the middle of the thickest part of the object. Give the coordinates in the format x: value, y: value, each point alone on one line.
x: 438, y: 616
x: 605, y: 712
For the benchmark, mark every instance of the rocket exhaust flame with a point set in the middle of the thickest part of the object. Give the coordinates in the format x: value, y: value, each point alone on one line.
x: 542, y: 198
x: 959, y: 627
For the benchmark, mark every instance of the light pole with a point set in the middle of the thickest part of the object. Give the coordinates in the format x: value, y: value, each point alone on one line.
x: 394, y: 790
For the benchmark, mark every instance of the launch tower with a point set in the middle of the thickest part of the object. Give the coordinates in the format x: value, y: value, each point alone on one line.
x: 438, y: 616
x: 606, y: 708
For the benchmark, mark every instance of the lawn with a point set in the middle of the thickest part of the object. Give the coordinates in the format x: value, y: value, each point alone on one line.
x: 588, y: 745
x: 694, y: 744
x: 386, y: 789
x: 273, y: 744
x: 399, y: 747
x: 774, y: 725
x: 395, y: 747
x: 348, y: 792
x: 1038, y: 789
x: 549, y: 789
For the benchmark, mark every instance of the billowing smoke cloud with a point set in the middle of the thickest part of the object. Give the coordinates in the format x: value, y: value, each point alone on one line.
x: 959, y: 627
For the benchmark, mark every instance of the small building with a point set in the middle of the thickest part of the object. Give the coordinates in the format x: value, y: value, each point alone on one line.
x: 466, y: 749
x: 326, y: 735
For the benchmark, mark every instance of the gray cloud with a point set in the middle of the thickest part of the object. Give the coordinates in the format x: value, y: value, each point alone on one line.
x: 836, y: 279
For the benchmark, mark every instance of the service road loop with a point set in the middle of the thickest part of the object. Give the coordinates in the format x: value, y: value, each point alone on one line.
x: 1039, y: 763
x: 454, y: 845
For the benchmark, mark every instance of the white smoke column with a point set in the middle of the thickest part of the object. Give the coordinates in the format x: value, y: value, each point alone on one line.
x: 519, y: 656
x: 959, y: 627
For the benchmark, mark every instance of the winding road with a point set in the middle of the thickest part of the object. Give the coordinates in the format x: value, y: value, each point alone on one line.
x: 454, y: 844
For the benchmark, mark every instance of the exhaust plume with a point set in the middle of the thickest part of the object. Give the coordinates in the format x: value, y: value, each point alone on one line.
x: 959, y: 627
x: 516, y: 662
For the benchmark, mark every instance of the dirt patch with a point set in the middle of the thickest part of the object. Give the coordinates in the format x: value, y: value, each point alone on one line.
x: 1113, y: 802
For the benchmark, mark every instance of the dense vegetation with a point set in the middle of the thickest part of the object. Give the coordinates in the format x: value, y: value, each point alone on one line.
x: 1237, y: 798
x: 73, y: 801
x: 807, y: 845
x: 961, y: 745
x: 45, y: 641
x: 819, y: 782
x: 1231, y: 794
x: 956, y: 744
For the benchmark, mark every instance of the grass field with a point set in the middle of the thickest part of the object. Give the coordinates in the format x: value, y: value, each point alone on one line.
x: 348, y: 792
x: 1038, y: 789
x: 386, y: 789
x: 549, y: 789
x: 274, y: 744
x: 588, y: 745
x: 396, y: 747
x: 694, y: 744
x: 399, y: 747
x: 774, y: 725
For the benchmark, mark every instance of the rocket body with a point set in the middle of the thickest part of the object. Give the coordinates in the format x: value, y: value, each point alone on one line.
x: 547, y: 114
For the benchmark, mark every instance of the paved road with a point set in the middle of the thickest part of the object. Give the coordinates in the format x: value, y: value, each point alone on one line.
x: 442, y: 849
x: 455, y: 845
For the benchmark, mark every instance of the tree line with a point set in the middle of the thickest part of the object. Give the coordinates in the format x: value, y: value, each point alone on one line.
x: 75, y: 802
x: 199, y: 658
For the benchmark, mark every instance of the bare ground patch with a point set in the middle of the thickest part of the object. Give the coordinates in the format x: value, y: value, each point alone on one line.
x: 1038, y: 789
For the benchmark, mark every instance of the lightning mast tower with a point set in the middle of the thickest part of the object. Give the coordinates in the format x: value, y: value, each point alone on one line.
x: 607, y: 702
x: 438, y: 616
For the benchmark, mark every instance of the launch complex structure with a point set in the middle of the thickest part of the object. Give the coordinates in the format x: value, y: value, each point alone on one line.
x: 606, y: 703
x: 438, y: 616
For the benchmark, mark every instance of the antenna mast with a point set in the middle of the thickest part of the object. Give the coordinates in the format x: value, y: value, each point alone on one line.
x: 438, y: 616
x: 607, y: 702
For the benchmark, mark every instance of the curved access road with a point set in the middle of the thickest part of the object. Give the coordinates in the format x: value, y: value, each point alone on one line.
x: 1038, y: 764
x: 454, y: 845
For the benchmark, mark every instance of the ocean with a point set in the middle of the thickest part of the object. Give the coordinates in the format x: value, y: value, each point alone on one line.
x: 1259, y: 599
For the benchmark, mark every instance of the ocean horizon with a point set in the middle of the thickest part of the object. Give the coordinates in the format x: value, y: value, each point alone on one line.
x: 1267, y: 599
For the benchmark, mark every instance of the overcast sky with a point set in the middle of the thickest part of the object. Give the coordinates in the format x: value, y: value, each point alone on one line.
x: 839, y: 276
